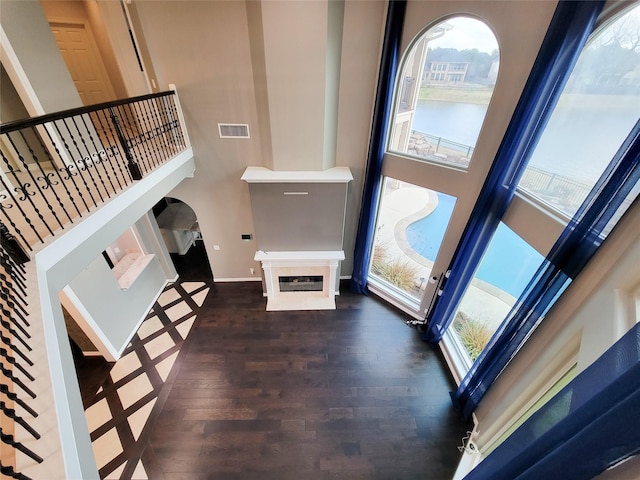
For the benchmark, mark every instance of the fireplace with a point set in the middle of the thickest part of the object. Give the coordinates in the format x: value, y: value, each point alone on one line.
x: 300, y: 280
x: 301, y: 283
x: 299, y: 219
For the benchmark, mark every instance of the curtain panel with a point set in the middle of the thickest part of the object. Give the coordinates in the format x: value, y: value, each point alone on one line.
x: 587, y: 427
x: 380, y: 126
x: 579, y: 241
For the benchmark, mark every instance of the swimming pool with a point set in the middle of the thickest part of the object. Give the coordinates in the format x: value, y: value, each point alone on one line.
x: 508, y: 264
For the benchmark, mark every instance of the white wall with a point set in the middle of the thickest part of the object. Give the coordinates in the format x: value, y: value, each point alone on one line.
x: 115, y: 314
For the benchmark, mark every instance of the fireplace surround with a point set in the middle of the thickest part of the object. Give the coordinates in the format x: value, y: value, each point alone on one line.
x: 314, y: 267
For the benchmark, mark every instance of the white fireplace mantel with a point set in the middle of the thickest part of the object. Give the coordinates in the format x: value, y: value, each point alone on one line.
x: 300, y: 263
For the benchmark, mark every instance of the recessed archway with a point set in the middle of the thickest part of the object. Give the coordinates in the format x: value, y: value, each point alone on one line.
x: 181, y: 234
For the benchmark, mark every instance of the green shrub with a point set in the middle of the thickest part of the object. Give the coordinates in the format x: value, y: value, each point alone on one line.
x: 473, y: 334
x: 398, y: 272
x: 379, y: 257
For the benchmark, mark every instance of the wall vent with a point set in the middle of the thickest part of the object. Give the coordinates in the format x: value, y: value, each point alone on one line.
x: 233, y: 130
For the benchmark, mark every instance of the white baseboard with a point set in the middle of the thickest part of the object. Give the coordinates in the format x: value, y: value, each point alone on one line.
x: 239, y: 279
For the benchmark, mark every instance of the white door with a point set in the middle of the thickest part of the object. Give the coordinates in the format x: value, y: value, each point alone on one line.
x: 80, y: 53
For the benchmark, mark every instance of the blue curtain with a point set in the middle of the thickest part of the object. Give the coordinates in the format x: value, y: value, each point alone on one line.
x: 587, y: 427
x: 574, y: 248
x: 373, y: 175
x: 568, y: 31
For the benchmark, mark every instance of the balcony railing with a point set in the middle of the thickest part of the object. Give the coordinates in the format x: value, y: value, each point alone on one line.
x: 439, y: 149
x: 55, y: 169
x: 564, y: 193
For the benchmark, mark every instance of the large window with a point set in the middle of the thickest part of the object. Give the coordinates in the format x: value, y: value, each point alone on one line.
x: 596, y: 112
x: 442, y: 93
x: 447, y: 82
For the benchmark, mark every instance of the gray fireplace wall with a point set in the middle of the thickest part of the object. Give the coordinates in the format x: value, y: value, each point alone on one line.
x: 298, y: 216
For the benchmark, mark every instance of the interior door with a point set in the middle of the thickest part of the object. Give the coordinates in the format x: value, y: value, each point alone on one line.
x: 81, y: 54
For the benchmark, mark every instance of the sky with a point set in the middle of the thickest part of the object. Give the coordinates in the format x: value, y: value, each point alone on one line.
x: 467, y: 33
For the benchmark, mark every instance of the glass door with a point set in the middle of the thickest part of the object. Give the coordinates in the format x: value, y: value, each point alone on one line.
x: 410, y: 227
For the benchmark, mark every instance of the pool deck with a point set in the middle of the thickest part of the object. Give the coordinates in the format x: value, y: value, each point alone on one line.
x: 404, y: 204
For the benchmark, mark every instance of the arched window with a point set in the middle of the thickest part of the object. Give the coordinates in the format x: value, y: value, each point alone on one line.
x: 444, y: 91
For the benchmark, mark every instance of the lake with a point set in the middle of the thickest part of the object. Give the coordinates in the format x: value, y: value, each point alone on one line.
x: 580, y: 140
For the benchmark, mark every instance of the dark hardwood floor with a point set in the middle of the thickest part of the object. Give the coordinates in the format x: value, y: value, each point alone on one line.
x: 341, y: 394
x: 350, y: 393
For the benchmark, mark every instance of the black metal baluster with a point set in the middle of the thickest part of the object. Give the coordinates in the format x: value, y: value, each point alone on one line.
x: 154, y: 142
x: 88, y: 161
x: 70, y: 175
x: 12, y: 309
x: 48, y: 185
x: 4, y: 206
x: 15, y: 398
x: 132, y: 166
x: 8, y: 288
x: 14, y: 282
x: 13, y: 348
x: 56, y: 173
x: 7, y: 314
x: 133, y: 139
x: 9, y: 440
x: 166, y: 147
x: 24, y: 187
x: 13, y: 313
x: 12, y: 361
x: 165, y: 129
x: 112, y: 150
x: 15, y: 270
x: 10, y: 472
x: 151, y: 126
x: 145, y: 135
x: 9, y: 374
x: 80, y: 161
x: 97, y: 157
x: 175, y: 122
x: 12, y: 299
x: 78, y: 170
x: 11, y: 413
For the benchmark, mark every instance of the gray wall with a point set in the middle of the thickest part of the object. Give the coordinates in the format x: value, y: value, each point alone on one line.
x: 28, y: 31
x: 313, y: 221
x: 11, y: 107
x: 215, y: 56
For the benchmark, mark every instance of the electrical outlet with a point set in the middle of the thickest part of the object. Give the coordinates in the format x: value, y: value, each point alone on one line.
x: 253, y: 271
x: 216, y: 247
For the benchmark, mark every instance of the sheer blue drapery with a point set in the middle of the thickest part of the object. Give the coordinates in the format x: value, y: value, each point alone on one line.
x: 568, y: 31
x: 587, y: 427
x: 574, y: 248
x: 380, y: 125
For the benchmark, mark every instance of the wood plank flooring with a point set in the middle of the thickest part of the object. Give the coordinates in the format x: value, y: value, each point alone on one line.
x: 343, y: 394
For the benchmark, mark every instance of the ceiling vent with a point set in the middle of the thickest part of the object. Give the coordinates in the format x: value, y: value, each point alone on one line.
x: 233, y: 130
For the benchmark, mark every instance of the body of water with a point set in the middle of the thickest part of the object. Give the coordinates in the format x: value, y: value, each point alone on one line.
x: 458, y: 122
x: 579, y: 141
x: 508, y: 264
